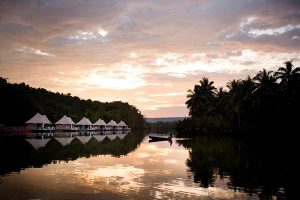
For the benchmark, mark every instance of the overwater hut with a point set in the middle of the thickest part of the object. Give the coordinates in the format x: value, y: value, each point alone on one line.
x: 65, y: 123
x: 39, y: 122
x: 122, y: 126
x: 112, y: 126
x: 84, y: 124
x: 100, y: 125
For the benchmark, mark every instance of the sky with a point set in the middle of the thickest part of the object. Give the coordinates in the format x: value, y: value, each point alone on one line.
x: 144, y: 52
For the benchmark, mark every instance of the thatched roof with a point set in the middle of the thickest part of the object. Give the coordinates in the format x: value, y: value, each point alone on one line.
x: 100, y: 122
x: 39, y: 119
x: 65, y: 120
x: 84, y: 121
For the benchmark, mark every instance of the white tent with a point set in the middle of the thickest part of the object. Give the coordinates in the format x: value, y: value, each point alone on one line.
x: 38, y: 121
x: 122, y: 126
x: 112, y: 125
x: 99, y: 122
x: 121, y: 123
x: 47, y: 121
x: 65, y: 123
x: 65, y: 120
x: 71, y: 121
x: 84, y: 123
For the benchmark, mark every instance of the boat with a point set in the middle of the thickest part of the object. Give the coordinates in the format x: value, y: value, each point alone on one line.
x: 159, y: 137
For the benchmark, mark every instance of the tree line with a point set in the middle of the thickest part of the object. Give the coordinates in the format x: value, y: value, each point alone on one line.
x: 265, y: 104
x: 19, y: 102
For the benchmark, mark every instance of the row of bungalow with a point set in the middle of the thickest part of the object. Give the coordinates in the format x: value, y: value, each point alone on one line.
x: 41, y: 122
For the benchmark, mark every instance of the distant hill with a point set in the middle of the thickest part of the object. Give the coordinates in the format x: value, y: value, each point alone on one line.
x: 164, y: 119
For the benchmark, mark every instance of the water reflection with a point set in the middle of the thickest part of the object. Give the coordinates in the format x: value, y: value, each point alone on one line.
x: 17, y: 153
x: 253, y: 168
x: 127, y: 166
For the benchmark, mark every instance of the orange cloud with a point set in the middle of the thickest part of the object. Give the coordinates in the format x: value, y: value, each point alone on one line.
x: 148, y: 53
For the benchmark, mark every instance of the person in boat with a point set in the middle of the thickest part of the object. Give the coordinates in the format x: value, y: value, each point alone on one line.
x: 171, y: 136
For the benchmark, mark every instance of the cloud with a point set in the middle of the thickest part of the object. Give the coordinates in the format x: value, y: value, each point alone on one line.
x: 92, y: 35
x: 274, y: 31
x: 34, y: 51
x: 148, y: 53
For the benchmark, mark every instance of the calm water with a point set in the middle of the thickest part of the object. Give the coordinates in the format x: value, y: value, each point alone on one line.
x: 127, y: 166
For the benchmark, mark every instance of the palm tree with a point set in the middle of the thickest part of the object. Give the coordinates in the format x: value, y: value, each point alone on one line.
x: 266, y: 83
x: 233, y: 108
x: 221, y: 99
x: 266, y: 97
x: 241, y: 99
x: 200, y: 99
x: 207, y: 87
x: 193, y: 100
x: 287, y: 74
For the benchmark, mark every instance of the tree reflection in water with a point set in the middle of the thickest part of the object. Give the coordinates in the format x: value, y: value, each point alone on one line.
x: 253, y: 167
x: 17, y: 153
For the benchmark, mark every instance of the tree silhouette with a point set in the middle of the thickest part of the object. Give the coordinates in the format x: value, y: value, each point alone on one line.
x: 262, y: 104
x: 201, y: 97
x: 287, y: 74
x: 19, y: 102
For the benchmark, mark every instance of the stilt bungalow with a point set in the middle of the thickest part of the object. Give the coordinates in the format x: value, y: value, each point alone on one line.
x: 84, y: 124
x: 100, y: 125
x: 112, y: 126
x: 122, y: 126
x: 39, y: 122
x: 65, y: 124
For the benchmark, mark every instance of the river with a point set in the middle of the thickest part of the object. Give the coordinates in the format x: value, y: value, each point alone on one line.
x: 128, y: 166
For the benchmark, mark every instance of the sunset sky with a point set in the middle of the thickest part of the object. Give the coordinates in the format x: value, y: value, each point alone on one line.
x: 147, y: 53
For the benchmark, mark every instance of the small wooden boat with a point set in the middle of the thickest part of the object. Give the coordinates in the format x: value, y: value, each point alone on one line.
x: 159, y: 138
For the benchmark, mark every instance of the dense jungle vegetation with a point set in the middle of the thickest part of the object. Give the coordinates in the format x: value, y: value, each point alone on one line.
x: 263, y: 105
x: 19, y: 102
